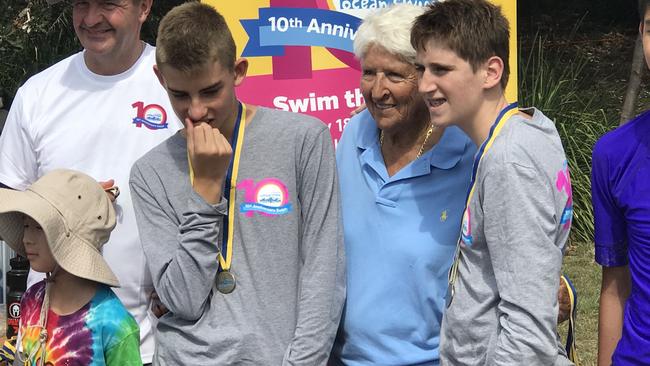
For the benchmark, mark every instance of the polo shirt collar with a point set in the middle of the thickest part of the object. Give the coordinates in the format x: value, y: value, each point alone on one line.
x: 444, y: 155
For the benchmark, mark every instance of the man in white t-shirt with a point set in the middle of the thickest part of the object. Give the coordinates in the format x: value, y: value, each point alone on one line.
x: 96, y: 111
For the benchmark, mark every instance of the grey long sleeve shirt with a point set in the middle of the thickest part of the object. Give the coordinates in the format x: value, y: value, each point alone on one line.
x: 505, y: 308
x: 287, y: 252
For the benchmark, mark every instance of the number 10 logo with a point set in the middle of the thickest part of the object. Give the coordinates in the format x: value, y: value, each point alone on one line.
x: 152, y: 116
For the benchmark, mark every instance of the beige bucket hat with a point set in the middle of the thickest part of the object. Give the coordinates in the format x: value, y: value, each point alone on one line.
x: 77, y: 218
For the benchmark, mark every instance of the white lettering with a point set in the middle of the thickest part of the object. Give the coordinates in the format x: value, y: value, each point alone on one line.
x: 328, y: 103
x: 374, y: 4
x: 331, y: 29
x: 313, y: 26
x: 299, y: 105
x: 341, y: 123
x: 310, y: 104
x: 279, y: 102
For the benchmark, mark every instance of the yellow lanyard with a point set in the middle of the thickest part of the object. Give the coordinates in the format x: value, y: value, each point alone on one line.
x: 230, y: 189
x: 500, y: 121
x: 570, y: 338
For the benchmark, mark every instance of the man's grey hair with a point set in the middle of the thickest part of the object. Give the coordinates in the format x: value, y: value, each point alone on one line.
x: 389, y: 28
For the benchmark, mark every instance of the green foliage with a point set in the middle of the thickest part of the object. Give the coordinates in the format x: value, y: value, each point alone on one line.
x: 553, y: 82
x: 158, y: 10
x: 35, y: 35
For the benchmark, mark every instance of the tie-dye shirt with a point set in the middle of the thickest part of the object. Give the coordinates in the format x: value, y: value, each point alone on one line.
x: 102, y: 332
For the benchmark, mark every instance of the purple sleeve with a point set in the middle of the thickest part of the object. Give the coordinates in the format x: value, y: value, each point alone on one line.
x: 609, y: 219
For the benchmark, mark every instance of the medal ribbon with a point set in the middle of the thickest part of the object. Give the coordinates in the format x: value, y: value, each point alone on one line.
x: 570, y: 338
x: 230, y: 188
x: 498, y: 124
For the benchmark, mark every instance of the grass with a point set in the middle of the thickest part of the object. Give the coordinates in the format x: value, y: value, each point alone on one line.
x: 581, y: 268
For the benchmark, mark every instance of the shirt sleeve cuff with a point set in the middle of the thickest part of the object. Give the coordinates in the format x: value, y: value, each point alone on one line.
x: 197, y: 204
x: 607, y: 256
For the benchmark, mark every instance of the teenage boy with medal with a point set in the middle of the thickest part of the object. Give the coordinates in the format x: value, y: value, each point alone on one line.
x: 502, y: 302
x: 238, y: 213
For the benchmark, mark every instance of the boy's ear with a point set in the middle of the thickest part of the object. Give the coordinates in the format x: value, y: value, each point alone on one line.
x: 241, y: 68
x: 641, y: 27
x: 493, y: 72
x: 159, y: 75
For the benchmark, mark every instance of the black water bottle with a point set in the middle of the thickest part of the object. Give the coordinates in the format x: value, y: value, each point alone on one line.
x: 16, y: 283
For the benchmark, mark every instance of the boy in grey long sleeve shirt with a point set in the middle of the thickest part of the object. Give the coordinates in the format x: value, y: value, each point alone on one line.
x: 273, y: 293
x: 502, y: 300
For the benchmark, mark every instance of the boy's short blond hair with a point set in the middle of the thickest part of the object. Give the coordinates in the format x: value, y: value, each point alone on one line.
x: 474, y: 29
x: 193, y: 34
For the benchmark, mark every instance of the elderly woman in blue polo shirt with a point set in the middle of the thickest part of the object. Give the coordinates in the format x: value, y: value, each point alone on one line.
x: 403, y: 186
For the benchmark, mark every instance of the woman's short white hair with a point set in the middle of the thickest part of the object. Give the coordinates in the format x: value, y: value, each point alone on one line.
x: 389, y: 28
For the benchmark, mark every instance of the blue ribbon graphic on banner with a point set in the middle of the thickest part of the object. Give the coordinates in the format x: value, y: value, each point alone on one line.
x: 279, y: 27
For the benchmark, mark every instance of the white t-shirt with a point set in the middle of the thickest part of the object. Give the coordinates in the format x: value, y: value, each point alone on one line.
x: 69, y: 117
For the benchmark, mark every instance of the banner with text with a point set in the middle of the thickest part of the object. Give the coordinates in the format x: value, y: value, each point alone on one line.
x: 300, y: 53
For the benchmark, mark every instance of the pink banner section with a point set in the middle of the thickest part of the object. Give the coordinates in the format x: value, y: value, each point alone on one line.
x: 296, y: 62
x: 329, y: 95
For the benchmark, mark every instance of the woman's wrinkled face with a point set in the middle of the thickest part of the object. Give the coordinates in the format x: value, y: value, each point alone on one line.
x: 389, y: 87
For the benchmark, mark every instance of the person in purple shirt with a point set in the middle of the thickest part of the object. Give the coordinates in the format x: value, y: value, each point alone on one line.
x: 621, y: 200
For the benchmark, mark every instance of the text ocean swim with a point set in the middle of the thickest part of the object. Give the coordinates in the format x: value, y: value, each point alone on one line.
x: 377, y: 4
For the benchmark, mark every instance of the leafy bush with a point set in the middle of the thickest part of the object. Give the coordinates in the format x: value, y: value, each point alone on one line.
x: 552, y: 81
x: 35, y: 35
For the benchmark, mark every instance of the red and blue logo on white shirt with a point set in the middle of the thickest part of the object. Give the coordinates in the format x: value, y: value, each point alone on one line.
x: 152, y: 116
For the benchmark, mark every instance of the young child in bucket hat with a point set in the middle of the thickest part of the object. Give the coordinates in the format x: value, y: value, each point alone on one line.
x: 72, y: 317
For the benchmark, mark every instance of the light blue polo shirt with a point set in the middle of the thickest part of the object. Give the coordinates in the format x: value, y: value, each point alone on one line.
x: 400, y: 236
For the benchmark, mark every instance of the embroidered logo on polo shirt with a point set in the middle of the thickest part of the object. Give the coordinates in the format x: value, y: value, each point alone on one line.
x: 269, y: 197
x: 152, y: 116
x: 443, y: 216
